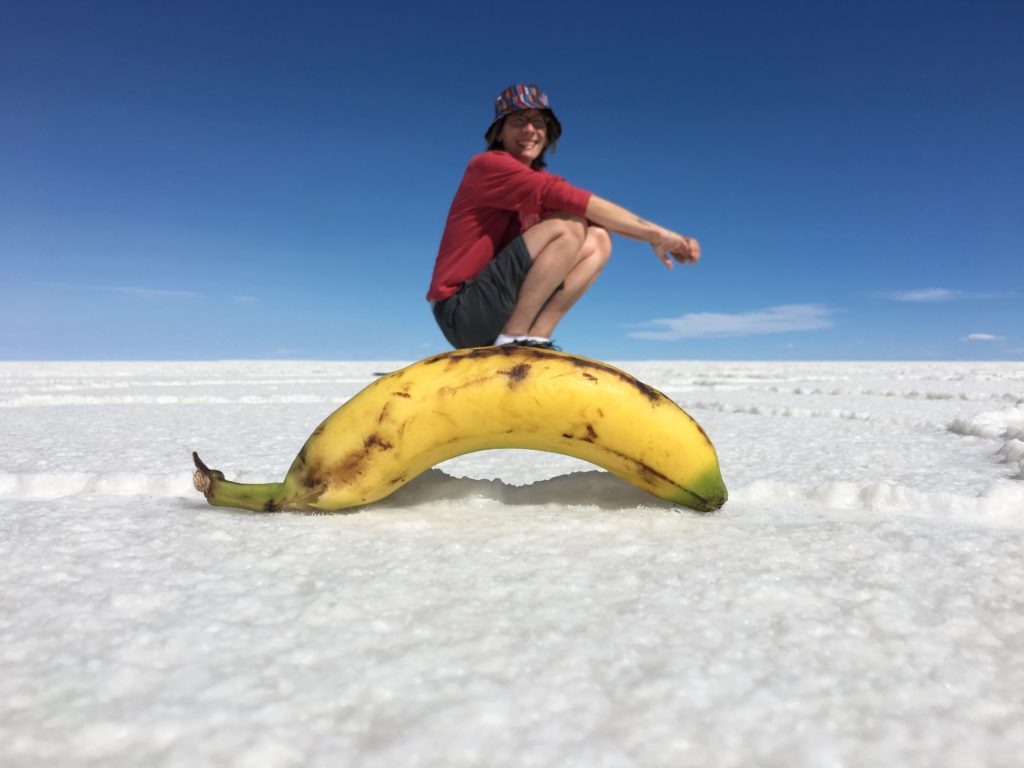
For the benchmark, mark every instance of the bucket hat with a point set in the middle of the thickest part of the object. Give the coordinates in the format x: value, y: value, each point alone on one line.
x: 522, y: 96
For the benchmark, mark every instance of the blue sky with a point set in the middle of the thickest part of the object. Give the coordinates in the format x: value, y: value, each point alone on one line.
x: 269, y: 180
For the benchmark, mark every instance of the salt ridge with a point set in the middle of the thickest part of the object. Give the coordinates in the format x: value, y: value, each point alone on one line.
x: 35, y: 401
x: 104, y: 384
x: 1006, y: 426
x: 1003, y: 500
x: 913, y: 394
x: 62, y: 485
x: 787, y: 412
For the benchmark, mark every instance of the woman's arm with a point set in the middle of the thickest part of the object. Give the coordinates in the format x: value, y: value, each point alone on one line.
x: 665, y: 242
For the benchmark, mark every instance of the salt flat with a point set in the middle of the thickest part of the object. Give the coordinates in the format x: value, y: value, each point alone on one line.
x: 859, y: 600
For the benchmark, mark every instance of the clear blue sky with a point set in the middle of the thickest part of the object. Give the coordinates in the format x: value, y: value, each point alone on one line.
x: 197, y: 180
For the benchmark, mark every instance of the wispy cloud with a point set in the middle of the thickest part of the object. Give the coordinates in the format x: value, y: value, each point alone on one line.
x: 982, y: 337
x: 781, y: 319
x: 155, y: 293
x: 245, y: 299
x: 924, y: 294
x: 139, y: 292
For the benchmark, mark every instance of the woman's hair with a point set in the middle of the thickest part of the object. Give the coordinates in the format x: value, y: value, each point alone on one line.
x: 493, y: 138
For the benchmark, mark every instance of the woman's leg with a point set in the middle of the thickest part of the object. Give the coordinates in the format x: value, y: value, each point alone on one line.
x: 567, y: 258
x: 597, y: 247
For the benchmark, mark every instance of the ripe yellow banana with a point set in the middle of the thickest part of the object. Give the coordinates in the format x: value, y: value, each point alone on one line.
x: 488, y: 397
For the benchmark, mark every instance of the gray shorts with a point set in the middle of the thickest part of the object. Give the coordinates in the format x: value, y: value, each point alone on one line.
x: 475, y: 315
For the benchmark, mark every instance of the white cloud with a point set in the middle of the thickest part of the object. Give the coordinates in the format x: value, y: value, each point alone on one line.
x: 924, y: 294
x: 128, y: 290
x: 154, y: 293
x: 782, y: 319
x: 983, y: 337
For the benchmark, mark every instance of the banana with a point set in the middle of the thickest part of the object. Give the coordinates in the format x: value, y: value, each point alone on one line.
x: 488, y: 397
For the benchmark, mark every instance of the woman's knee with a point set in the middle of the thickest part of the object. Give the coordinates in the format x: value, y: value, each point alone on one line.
x: 568, y: 225
x: 561, y: 227
x: 599, y: 244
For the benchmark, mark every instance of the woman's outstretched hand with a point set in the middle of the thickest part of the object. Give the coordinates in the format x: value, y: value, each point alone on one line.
x: 683, y: 249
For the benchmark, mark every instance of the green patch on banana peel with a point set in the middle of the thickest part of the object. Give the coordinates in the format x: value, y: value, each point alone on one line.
x: 707, y: 494
x: 258, y: 497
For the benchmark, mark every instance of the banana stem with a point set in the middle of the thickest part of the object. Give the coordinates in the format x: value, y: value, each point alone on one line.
x: 257, y: 497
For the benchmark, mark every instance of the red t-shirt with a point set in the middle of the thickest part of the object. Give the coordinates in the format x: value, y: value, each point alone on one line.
x: 498, y: 199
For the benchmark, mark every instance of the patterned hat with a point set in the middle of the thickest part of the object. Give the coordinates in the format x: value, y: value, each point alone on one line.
x: 524, y: 96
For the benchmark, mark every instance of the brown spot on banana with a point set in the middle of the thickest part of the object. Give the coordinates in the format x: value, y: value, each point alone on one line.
x: 450, y: 391
x: 508, y: 351
x: 529, y: 353
x: 647, y: 391
x: 375, y: 441
x: 516, y: 374
x: 353, y: 464
x: 480, y: 353
x: 590, y: 437
x: 311, y: 478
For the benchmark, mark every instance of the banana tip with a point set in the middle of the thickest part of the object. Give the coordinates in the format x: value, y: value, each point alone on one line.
x: 199, y: 462
x: 202, y: 478
x: 201, y: 482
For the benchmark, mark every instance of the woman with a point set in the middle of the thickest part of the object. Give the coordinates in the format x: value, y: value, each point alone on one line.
x: 522, y: 245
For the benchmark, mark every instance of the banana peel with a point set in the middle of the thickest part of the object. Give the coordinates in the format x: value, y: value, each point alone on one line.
x: 484, y: 398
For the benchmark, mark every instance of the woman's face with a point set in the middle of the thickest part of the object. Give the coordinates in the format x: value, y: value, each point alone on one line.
x: 524, y: 135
